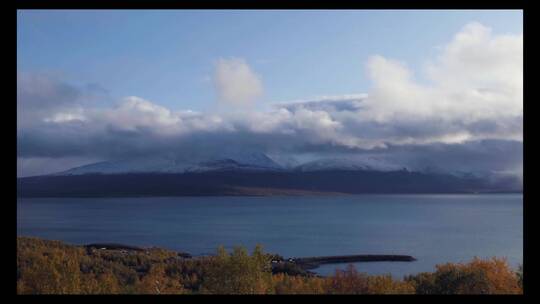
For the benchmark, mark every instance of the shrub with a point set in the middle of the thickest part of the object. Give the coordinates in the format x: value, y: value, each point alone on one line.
x: 156, y: 281
x: 51, y: 267
x: 237, y: 273
x: 492, y: 276
x: 519, y: 274
x: 47, y: 269
x: 288, y: 284
x: 348, y: 281
x: 385, y: 284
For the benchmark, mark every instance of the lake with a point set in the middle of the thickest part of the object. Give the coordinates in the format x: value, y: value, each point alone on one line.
x: 433, y: 228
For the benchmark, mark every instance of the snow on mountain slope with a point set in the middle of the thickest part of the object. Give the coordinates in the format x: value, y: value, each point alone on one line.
x: 369, y: 163
x: 228, y: 165
x: 284, y: 161
x: 252, y: 159
x: 129, y: 166
x: 232, y: 161
x: 223, y: 161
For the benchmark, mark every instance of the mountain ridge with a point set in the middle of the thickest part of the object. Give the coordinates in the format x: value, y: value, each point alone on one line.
x: 244, y: 161
x: 253, y: 174
x: 247, y: 183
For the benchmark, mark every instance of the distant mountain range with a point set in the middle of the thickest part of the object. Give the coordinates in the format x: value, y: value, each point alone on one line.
x: 163, y: 164
x: 252, y: 174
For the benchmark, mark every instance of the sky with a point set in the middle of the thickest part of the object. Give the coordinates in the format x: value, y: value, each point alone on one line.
x: 416, y: 87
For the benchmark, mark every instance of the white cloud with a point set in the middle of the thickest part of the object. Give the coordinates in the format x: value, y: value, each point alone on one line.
x: 466, y: 99
x: 478, y: 77
x: 474, y: 93
x: 236, y: 83
x: 63, y: 117
x: 135, y: 112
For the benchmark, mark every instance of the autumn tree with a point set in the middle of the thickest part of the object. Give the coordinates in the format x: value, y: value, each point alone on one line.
x: 237, y: 273
x: 490, y: 276
x: 291, y: 284
x: 156, y: 281
x: 385, y: 284
x: 348, y: 281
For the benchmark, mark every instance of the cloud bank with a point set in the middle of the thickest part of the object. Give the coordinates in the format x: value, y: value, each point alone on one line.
x: 466, y: 114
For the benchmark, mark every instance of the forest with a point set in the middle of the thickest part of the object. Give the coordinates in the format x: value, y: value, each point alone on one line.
x: 53, y: 267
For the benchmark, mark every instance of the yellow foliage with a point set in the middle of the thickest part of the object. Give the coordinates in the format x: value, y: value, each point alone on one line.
x: 51, y: 267
x: 348, y: 281
x: 386, y: 285
x: 491, y: 276
x: 156, y: 281
x: 237, y: 273
x: 285, y: 284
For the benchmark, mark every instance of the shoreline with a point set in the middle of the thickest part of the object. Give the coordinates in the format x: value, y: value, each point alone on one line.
x: 277, y: 262
x: 305, y: 194
x: 105, y: 268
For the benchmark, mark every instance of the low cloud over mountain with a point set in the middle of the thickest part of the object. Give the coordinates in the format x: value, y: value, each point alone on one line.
x: 465, y: 113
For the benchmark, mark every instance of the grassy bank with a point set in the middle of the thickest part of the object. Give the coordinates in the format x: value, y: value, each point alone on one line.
x: 53, y: 267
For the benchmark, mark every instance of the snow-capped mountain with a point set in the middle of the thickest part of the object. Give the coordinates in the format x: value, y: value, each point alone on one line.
x: 285, y: 161
x: 169, y: 164
x: 254, y: 174
x: 228, y: 165
x: 350, y: 164
x: 127, y: 166
x: 232, y: 161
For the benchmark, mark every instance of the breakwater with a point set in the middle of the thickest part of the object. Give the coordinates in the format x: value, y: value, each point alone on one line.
x: 314, y: 262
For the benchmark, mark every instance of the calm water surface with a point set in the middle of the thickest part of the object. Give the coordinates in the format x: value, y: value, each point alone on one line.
x: 433, y: 228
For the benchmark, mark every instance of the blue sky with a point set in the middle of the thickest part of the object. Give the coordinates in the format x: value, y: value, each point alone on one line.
x: 444, y: 88
x: 168, y: 57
